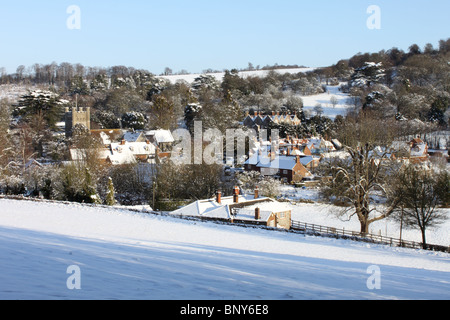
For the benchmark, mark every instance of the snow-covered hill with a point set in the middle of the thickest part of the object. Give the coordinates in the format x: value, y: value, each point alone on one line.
x: 219, y: 75
x: 124, y: 255
x: 309, y: 102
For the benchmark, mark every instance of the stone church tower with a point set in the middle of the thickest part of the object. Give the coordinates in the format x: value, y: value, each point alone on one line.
x: 77, y: 116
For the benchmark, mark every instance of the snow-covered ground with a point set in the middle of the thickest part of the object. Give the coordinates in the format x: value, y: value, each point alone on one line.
x: 124, y: 255
x: 328, y: 215
x: 219, y: 75
x: 324, y: 99
x: 12, y: 92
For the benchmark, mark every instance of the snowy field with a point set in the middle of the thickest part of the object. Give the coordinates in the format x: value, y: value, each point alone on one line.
x: 189, y: 78
x: 324, y: 99
x: 12, y: 92
x: 123, y: 255
x: 327, y: 215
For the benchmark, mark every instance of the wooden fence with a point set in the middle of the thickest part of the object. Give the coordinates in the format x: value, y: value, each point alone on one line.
x: 368, y: 237
x: 297, y: 226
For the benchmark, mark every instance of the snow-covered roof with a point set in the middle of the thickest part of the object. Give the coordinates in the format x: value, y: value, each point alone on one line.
x: 161, y: 136
x: 132, y: 136
x: 267, y: 209
x: 106, y: 139
x: 212, y: 209
x: 32, y: 163
x: 127, y: 153
x: 279, y: 162
x: 419, y: 150
x: 79, y: 154
x: 107, y: 136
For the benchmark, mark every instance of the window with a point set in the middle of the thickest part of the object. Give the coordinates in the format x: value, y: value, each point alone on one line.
x: 285, y: 172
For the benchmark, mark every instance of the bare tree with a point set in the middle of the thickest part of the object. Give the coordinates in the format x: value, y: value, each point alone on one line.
x: 167, y: 71
x: 355, y: 179
x: 421, y: 191
x: 334, y: 101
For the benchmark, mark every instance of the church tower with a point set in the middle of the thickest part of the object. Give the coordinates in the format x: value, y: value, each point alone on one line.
x: 77, y: 116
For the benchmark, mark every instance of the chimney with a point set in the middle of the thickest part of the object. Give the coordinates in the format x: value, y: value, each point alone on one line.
x: 236, y: 195
x: 257, y: 214
x: 256, y: 193
x: 219, y: 197
x: 273, y: 156
x: 122, y: 143
x: 298, y: 159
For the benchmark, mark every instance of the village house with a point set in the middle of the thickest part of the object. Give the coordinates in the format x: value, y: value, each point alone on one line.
x: 132, y: 152
x: 163, y: 140
x: 419, y: 149
x: 289, y: 169
x: 118, y: 153
x: 415, y: 150
x: 238, y: 208
x: 258, y: 121
x: 319, y: 145
x: 107, y: 136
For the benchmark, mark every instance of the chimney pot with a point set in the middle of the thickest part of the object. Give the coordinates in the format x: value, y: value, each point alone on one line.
x: 257, y: 214
x: 219, y: 197
x: 236, y: 195
x: 256, y: 193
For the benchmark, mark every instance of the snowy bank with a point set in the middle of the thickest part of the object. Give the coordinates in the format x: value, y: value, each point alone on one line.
x: 126, y: 255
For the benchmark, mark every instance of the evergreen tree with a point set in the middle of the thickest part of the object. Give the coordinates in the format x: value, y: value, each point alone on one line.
x: 110, y: 195
x: 162, y: 113
x: 78, y: 86
x: 89, y: 190
x: 134, y: 120
x: 192, y: 112
x: 368, y: 75
x: 438, y: 109
x: 41, y: 103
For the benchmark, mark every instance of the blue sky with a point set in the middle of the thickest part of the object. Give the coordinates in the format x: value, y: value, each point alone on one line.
x: 219, y: 34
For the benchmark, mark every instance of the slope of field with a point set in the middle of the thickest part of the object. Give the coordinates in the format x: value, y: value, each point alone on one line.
x: 324, y: 100
x: 124, y: 255
x: 219, y: 75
